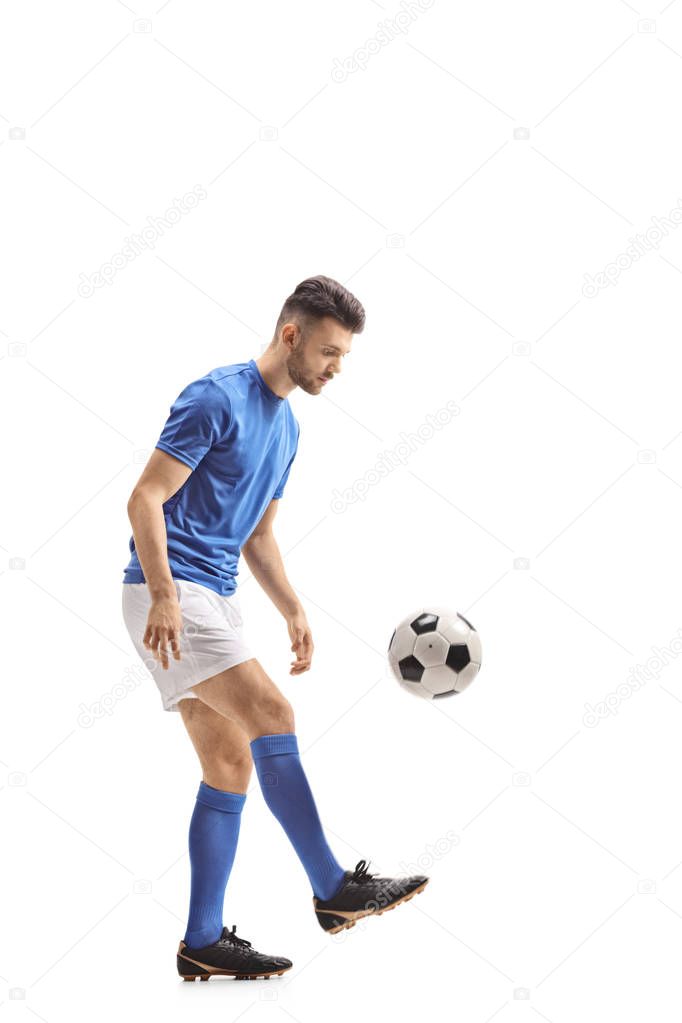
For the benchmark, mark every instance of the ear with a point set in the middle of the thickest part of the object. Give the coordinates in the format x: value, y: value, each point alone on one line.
x: 291, y: 335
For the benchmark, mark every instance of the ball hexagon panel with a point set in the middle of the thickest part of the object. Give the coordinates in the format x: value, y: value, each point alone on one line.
x: 439, y: 681
x: 467, y: 676
x: 455, y: 629
x: 431, y: 649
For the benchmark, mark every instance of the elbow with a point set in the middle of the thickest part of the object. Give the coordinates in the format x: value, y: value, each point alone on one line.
x: 134, y: 501
x: 130, y: 506
x: 255, y: 538
x: 246, y: 546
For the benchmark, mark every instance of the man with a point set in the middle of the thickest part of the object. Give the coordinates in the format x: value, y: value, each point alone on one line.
x: 210, y: 491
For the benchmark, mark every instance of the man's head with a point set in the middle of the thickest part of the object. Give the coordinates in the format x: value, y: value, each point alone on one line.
x: 314, y: 331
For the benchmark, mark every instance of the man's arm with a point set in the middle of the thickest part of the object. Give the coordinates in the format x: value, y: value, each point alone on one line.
x: 162, y: 477
x: 263, y: 557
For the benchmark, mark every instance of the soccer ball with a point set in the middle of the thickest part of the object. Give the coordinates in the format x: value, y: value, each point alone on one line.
x: 435, y: 653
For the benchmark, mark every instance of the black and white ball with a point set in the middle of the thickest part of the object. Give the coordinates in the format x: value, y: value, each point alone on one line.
x: 434, y: 653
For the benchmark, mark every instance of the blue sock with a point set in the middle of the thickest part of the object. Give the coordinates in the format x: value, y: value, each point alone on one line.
x: 213, y: 834
x: 287, y: 793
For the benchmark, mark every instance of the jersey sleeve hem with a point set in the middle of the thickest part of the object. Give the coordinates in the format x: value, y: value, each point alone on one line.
x: 180, y: 455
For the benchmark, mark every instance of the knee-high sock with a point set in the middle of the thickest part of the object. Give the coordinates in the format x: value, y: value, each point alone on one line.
x: 213, y: 834
x: 287, y: 793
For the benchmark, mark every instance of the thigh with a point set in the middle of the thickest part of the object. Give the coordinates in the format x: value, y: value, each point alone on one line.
x: 216, y: 739
x: 248, y: 697
x: 211, y: 640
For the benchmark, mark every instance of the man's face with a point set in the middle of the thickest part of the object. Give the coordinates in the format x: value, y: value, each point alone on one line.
x: 318, y: 358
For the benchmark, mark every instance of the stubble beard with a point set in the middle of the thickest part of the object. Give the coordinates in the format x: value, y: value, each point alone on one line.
x: 298, y: 374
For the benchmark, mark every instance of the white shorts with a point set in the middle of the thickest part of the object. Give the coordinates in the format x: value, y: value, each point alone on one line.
x: 211, y: 639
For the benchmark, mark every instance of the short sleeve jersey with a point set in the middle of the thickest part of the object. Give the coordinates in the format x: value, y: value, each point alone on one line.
x: 240, y: 439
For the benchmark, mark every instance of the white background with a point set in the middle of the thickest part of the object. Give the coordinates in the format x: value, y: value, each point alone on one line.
x: 412, y: 181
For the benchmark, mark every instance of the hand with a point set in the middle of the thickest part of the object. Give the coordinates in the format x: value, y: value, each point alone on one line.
x: 302, y: 645
x: 164, y: 626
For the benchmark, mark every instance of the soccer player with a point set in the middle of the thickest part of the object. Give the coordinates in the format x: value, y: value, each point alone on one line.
x: 208, y: 493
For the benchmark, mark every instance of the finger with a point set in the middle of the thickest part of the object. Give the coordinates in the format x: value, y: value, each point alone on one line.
x: 175, y: 646
x: 154, y: 643
x: 163, y: 641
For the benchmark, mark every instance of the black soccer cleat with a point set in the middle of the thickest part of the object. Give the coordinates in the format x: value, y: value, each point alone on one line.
x: 362, y: 894
x: 229, y: 956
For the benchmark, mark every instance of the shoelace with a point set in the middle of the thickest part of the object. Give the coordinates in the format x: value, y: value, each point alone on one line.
x: 232, y: 937
x: 360, y: 873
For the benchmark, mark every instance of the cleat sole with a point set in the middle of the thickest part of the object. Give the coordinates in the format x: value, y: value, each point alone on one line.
x: 192, y: 969
x: 334, y: 921
x: 236, y: 976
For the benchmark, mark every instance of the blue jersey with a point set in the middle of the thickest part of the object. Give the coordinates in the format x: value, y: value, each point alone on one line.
x: 240, y: 438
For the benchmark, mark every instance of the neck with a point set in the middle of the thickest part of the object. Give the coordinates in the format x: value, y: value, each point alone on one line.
x: 275, y: 374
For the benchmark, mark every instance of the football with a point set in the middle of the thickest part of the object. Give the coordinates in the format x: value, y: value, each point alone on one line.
x: 434, y: 653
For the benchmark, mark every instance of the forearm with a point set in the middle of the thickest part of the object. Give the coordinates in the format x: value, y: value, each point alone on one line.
x: 262, y: 555
x: 151, y: 543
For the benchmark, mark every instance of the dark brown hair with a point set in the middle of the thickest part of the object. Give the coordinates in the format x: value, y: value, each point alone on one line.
x: 321, y: 296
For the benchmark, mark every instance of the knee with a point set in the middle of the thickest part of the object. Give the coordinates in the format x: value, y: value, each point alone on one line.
x: 238, y: 762
x: 227, y: 759
x: 228, y: 769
